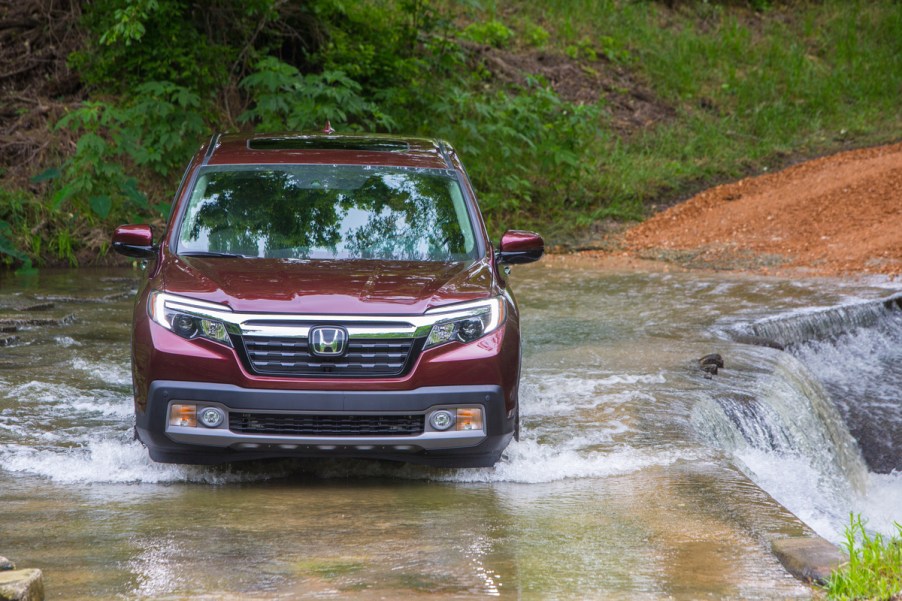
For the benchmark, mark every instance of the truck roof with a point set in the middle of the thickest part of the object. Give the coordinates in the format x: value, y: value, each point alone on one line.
x: 303, y: 148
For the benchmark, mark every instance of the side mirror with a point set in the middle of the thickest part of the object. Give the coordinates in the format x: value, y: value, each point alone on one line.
x: 518, y: 247
x: 134, y: 241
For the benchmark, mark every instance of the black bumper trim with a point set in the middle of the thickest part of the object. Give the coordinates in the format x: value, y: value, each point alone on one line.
x: 150, y: 425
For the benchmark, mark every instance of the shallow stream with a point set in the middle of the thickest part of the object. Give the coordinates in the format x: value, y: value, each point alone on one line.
x: 638, y: 477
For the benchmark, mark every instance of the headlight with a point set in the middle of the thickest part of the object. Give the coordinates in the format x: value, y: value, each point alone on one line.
x: 466, y: 322
x: 187, y: 317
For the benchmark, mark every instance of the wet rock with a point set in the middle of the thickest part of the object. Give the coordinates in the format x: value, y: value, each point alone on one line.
x: 41, y: 306
x: 8, y: 329
x: 758, y: 341
x: 809, y: 559
x: 8, y: 340
x: 22, y: 585
x: 114, y: 296
x: 22, y: 321
x: 712, y: 359
x: 710, y: 364
x: 6, y: 564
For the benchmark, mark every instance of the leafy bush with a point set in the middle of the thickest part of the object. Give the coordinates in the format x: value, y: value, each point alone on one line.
x: 536, y: 35
x: 136, y: 41
x: 492, y: 33
x: 285, y: 99
x: 158, y: 128
x: 524, y: 148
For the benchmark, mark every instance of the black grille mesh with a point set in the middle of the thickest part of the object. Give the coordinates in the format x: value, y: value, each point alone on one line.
x: 326, y: 424
x: 292, y: 357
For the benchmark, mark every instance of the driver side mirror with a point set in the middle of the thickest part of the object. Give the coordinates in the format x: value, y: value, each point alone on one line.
x: 134, y: 241
x: 518, y: 246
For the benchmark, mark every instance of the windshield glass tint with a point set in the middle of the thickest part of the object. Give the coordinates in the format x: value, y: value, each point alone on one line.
x: 328, y: 212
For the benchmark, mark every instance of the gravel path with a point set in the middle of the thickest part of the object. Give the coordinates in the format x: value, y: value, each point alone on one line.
x: 835, y: 215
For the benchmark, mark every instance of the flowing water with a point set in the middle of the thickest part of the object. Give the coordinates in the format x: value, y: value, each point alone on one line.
x: 637, y: 477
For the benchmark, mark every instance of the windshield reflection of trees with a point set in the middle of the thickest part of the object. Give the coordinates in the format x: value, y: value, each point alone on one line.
x: 390, y: 215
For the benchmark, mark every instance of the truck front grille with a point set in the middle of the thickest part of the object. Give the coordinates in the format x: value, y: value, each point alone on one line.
x: 326, y: 424
x: 292, y: 357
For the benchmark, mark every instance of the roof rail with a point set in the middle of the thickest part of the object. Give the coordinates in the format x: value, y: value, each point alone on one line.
x: 214, y: 142
x: 444, y: 151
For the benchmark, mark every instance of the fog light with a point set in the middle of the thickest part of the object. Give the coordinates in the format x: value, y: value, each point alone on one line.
x: 211, y: 417
x: 183, y: 415
x: 469, y: 419
x: 441, y: 420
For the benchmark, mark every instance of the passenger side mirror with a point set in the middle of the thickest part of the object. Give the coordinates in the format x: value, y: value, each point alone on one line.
x: 134, y: 241
x: 518, y: 247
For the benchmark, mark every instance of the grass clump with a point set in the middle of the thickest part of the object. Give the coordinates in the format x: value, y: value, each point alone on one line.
x: 874, y: 569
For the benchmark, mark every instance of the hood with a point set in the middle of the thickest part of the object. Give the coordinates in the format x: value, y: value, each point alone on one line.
x: 326, y: 287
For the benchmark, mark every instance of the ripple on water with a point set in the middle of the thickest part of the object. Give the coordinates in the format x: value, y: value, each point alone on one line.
x: 66, y: 402
x: 108, y: 372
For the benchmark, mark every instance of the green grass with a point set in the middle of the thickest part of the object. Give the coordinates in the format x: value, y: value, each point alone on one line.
x: 874, y: 570
x: 750, y: 90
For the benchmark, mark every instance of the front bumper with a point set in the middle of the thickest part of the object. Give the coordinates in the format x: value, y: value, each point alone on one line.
x: 216, y: 445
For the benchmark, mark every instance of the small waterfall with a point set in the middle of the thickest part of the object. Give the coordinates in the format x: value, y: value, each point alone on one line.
x: 818, y: 426
x: 855, y: 352
x: 774, y: 404
x: 820, y: 324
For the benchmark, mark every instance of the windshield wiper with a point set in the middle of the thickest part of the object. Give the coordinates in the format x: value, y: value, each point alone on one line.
x: 206, y: 253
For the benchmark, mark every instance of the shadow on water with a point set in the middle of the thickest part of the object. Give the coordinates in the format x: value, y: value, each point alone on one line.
x: 631, y: 481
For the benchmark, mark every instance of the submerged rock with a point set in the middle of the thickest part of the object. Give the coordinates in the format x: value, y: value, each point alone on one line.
x: 19, y: 321
x: 810, y: 559
x: 40, y: 306
x: 22, y: 585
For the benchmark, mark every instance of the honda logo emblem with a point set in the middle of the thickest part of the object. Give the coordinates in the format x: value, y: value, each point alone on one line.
x: 326, y: 341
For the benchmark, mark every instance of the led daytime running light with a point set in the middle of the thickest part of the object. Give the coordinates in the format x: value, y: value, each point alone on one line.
x: 466, y: 322
x: 188, y: 318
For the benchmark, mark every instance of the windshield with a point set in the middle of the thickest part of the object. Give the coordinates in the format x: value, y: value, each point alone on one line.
x: 328, y: 212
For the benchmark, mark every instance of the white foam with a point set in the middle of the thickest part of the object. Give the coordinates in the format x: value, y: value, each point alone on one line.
x: 115, y: 461
x: 555, y: 393
x: 824, y: 505
x: 882, y: 504
x: 66, y: 341
x: 60, y: 400
x: 108, y: 372
x: 529, y: 462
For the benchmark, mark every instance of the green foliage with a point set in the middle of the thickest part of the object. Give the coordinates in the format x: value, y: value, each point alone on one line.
x: 286, y: 100
x: 162, y: 124
x: 189, y: 43
x: 735, y: 91
x: 158, y: 128
x: 535, y: 35
x: 582, y: 50
x: 874, y: 569
x: 12, y: 211
x: 492, y: 33
x: 524, y: 148
x: 128, y: 25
